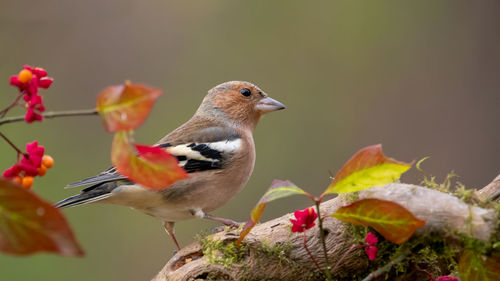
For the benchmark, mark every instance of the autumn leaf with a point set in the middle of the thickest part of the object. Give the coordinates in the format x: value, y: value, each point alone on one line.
x: 367, y: 168
x: 29, y: 225
x: 390, y: 219
x: 278, y: 189
x: 126, y: 107
x: 473, y: 266
x: 153, y: 167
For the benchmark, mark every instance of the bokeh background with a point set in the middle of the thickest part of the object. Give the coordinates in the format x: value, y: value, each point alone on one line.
x: 421, y: 77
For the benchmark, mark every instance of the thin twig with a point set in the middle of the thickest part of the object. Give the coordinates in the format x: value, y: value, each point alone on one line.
x: 52, y: 114
x: 310, y: 255
x: 14, y: 103
x: 11, y: 144
x: 322, y: 235
x: 385, y: 268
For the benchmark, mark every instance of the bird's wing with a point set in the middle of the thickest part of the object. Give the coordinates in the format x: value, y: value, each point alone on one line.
x: 205, y: 149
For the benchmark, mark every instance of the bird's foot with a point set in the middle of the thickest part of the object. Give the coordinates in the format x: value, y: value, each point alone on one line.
x: 221, y: 228
x: 230, y: 223
x: 217, y: 229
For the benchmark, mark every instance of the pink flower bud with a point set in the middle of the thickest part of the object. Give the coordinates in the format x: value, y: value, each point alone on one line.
x: 35, y: 100
x: 371, y: 252
x: 12, y: 171
x: 31, y: 146
x: 30, y: 116
x: 28, y: 67
x: 32, y: 87
x: 29, y: 169
x: 45, y: 82
x: 14, y: 81
x: 447, y: 278
x: 36, y: 160
x: 40, y: 72
x: 371, y: 239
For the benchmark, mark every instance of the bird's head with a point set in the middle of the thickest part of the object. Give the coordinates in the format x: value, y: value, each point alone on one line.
x: 240, y: 102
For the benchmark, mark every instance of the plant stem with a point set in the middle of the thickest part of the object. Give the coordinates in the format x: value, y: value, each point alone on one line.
x: 11, y: 144
x: 322, y: 235
x: 309, y: 252
x: 52, y: 114
x: 385, y: 268
x: 14, y: 103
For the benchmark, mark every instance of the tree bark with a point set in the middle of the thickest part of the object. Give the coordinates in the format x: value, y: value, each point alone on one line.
x: 443, y: 213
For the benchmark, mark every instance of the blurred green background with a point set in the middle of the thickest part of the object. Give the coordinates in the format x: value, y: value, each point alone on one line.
x: 421, y: 77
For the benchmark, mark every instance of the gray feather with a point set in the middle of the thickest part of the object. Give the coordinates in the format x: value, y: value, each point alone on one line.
x: 90, y: 194
x: 107, y: 176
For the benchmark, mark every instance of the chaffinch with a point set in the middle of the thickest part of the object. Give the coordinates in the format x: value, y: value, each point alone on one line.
x: 215, y: 147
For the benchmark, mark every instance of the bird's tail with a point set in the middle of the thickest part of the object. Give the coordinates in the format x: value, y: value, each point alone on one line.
x: 82, y: 198
x: 93, y: 193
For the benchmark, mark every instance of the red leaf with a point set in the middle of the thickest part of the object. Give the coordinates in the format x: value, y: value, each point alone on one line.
x: 153, y: 168
x: 126, y: 107
x: 29, y: 225
x: 390, y: 219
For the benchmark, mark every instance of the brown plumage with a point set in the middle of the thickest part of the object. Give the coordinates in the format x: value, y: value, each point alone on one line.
x: 215, y: 146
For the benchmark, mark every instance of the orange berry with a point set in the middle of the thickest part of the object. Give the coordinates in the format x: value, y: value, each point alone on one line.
x: 27, y: 182
x: 42, y: 170
x: 47, y: 161
x: 17, y: 180
x: 25, y: 76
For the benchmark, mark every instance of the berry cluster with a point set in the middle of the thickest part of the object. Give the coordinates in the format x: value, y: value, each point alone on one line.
x: 29, y: 80
x: 32, y: 163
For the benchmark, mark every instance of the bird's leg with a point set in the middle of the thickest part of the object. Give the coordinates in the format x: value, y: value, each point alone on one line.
x: 202, y: 215
x: 169, y: 228
x: 227, y: 222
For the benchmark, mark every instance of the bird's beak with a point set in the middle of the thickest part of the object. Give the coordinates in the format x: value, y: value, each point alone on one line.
x: 268, y: 104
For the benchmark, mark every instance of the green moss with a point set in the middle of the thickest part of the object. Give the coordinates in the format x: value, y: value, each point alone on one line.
x: 222, y: 252
x: 457, y: 189
x: 227, y: 254
x: 278, y: 251
x: 349, y: 197
x: 445, y: 186
x: 430, y: 249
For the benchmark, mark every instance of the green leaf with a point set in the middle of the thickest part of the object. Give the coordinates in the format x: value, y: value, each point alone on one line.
x: 367, y: 168
x: 473, y: 266
x: 126, y: 107
x: 278, y: 189
x: 154, y: 168
x: 28, y: 224
x: 390, y: 219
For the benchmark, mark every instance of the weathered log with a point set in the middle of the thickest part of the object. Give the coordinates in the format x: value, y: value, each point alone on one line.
x: 272, y: 252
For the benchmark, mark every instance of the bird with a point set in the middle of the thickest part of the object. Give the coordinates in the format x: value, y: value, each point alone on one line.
x: 215, y: 147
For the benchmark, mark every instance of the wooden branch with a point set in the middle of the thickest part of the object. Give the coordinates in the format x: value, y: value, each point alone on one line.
x: 492, y: 190
x: 442, y: 212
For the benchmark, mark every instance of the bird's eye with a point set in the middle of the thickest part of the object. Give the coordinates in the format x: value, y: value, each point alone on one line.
x: 246, y: 92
